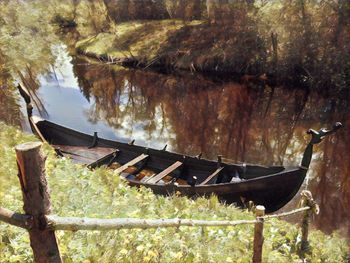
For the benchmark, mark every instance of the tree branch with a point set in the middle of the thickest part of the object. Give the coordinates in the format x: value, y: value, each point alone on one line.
x: 12, y: 218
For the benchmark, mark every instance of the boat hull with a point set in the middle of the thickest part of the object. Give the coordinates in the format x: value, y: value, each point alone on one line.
x: 272, y: 186
x: 270, y: 192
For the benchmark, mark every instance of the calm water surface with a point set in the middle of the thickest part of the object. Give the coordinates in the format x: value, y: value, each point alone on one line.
x: 192, y: 114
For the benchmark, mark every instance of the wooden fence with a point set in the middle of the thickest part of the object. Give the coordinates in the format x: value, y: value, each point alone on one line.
x: 41, y: 225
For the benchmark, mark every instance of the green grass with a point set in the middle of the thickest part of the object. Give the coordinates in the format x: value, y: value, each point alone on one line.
x: 137, y: 39
x: 195, y: 45
x: 77, y: 191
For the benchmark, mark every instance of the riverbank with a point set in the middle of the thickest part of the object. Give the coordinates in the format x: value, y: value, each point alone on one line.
x: 174, y: 44
x: 76, y: 191
x: 248, y: 51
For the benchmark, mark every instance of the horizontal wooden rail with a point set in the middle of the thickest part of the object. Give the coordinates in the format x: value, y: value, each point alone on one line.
x: 75, y: 223
x: 12, y: 218
x: 41, y: 225
x: 286, y: 213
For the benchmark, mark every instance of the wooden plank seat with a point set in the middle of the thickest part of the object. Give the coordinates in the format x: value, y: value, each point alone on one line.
x: 156, y: 178
x: 214, y: 174
x: 131, y: 163
x: 81, y: 154
x: 108, y: 158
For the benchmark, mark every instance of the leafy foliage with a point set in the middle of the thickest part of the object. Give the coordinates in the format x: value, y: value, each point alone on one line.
x: 26, y: 37
x: 77, y: 191
x: 8, y: 102
x: 303, y: 43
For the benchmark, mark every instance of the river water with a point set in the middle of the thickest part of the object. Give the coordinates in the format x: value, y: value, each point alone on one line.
x: 192, y: 114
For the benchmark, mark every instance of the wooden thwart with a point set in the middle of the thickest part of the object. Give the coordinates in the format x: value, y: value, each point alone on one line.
x: 217, y: 171
x: 131, y: 163
x: 154, y: 179
x: 81, y: 154
x: 110, y: 157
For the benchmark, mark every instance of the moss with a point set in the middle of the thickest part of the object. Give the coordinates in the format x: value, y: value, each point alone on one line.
x: 77, y: 191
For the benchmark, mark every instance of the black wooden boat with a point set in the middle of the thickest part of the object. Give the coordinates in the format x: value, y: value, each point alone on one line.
x: 167, y: 173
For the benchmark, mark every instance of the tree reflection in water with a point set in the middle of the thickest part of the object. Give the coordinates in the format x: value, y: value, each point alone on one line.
x: 243, y: 122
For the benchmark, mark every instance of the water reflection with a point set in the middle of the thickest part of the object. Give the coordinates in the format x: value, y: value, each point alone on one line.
x: 193, y: 114
x: 232, y: 119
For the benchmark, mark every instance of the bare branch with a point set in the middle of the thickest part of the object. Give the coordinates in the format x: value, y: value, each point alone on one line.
x: 12, y: 218
x: 75, y: 223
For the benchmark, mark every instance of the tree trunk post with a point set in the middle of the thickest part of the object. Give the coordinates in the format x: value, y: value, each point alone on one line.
x: 307, y: 201
x: 36, y: 199
x: 305, y: 231
x: 258, y: 234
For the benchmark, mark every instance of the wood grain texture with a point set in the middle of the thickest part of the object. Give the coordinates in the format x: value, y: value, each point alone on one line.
x: 36, y: 199
x: 258, y: 234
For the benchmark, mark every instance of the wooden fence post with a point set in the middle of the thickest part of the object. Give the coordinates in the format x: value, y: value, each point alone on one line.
x: 36, y: 199
x: 307, y: 201
x: 305, y: 230
x: 258, y: 234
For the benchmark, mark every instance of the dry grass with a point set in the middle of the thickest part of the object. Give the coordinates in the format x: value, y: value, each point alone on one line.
x: 194, y: 46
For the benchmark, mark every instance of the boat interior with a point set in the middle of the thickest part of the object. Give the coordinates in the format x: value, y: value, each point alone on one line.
x: 142, y: 164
